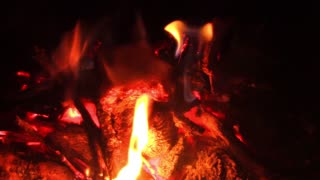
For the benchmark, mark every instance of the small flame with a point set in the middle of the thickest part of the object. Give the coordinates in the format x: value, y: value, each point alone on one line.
x: 138, y: 140
x: 206, y: 32
x: 3, y: 133
x: 70, y: 51
x: 176, y: 29
x: 76, y: 49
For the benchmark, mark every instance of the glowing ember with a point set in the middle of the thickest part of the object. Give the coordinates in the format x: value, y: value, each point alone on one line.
x: 139, y: 139
x: 33, y: 143
x: 197, y: 94
x: 32, y: 116
x: 73, y: 116
x: 24, y: 87
x: 87, y: 172
x: 236, y: 129
x: 23, y: 74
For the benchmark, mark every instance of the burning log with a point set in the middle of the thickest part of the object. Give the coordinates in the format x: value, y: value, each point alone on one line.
x: 176, y: 147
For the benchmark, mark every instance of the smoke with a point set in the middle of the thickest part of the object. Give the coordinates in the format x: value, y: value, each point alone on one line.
x: 133, y: 60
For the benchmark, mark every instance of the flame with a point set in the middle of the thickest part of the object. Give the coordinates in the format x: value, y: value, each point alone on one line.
x: 176, y: 29
x: 206, y: 32
x: 138, y: 140
x: 70, y: 51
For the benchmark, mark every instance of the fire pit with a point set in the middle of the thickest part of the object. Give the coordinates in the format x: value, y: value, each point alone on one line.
x: 126, y: 112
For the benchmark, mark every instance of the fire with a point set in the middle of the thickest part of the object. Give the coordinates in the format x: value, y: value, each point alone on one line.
x: 207, y: 32
x: 176, y: 29
x: 138, y: 140
x: 70, y: 51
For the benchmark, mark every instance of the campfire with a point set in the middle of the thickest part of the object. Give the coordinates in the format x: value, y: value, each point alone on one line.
x: 125, y: 112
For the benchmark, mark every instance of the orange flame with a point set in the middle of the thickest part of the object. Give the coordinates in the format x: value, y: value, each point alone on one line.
x: 176, y: 29
x: 76, y: 49
x: 139, y: 139
x: 206, y: 32
x: 71, y: 49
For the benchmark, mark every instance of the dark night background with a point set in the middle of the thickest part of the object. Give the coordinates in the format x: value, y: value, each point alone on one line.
x: 277, y: 49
